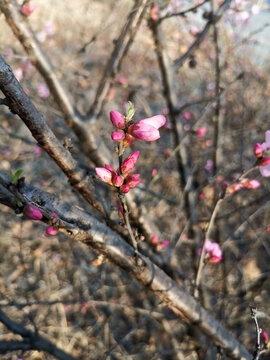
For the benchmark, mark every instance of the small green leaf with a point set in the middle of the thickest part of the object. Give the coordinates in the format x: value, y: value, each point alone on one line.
x: 14, y: 177
x: 130, y: 111
x: 19, y: 203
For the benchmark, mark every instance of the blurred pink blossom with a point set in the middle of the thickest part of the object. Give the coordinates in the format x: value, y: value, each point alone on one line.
x: 213, y: 250
x: 28, y: 8
x: 187, y: 115
x: 154, y: 172
x: 32, y: 212
x: 37, y: 150
x: 43, y: 90
x: 209, y: 165
x: 52, y: 230
x: 18, y: 73
x: 201, y: 131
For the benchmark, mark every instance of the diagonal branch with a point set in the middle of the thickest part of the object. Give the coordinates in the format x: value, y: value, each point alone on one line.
x: 87, y: 229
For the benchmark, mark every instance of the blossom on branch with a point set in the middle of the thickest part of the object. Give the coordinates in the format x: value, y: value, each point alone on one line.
x: 262, y: 152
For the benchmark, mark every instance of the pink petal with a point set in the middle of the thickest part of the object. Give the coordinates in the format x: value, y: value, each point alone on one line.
x: 145, y: 132
x: 104, y: 174
x: 265, y: 170
x: 156, y: 121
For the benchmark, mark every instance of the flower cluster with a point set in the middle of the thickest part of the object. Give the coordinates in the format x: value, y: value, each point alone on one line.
x: 32, y: 212
x: 121, y: 177
x: 262, y: 152
x: 145, y: 129
x: 28, y: 8
x: 213, y: 251
x: 243, y: 183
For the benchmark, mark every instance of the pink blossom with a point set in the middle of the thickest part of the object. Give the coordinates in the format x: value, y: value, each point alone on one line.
x: 128, y: 164
x: 209, y: 165
x: 154, y: 239
x: 118, y: 135
x: 250, y: 183
x: 262, y: 152
x: 122, y: 80
x: 186, y: 127
x: 49, y: 28
x: 37, y: 150
x: 265, y: 170
x: 264, y: 337
x: 132, y: 180
x: 213, y: 250
x: 117, y: 119
x: 187, y: 115
x: 117, y: 180
x: 194, y: 30
x: 147, y: 129
x: 124, y: 188
x: 52, y: 230
x: 104, y: 174
x: 235, y: 187
x: 32, y: 212
x: 18, y: 73
x: 201, y: 131
x: 154, y: 13
x: 154, y: 172
x: 28, y: 8
x: 43, y: 90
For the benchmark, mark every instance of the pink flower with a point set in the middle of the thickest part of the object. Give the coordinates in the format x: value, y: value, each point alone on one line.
x: 250, y: 183
x: 28, y: 8
x: 132, y: 181
x: 128, y: 164
x: 37, y: 150
x: 104, y: 174
x: 117, y: 180
x: 264, y: 337
x: 147, y: 129
x: 209, y: 165
x: 18, y: 73
x: 117, y: 119
x: 32, y: 212
x: 154, y: 239
x: 52, y: 230
x: 49, y: 28
x: 235, y: 187
x: 187, y: 115
x: 154, y: 172
x: 265, y: 170
x: 213, y: 250
x: 124, y: 188
x: 118, y: 135
x: 154, y: 13
x: 43, y: 90
x: 201, y: 131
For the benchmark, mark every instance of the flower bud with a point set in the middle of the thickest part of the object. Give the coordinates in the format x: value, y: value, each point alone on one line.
x: 104, y: 174
x: 118, y: 135
x: 258, y: 150
x: 118, y: 119
x: 121, y: 213
x: 201, y: 131
x: 32, y: 212
x: 127, y: 166
x: 124, y: 188
x: 133, y: 180
x: 52, y: 230
x: 134, y: 157
x: 117, y: 180
x: 251, y: 183
x: 28, y: 8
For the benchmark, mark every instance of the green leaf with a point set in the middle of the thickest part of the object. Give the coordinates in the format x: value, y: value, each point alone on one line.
x: 130, y: 111
x: 14, y: 177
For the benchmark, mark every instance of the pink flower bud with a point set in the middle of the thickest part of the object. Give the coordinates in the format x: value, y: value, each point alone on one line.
x: 117, y: 180
x: 104, y: 174
x: 124, y: 188
x: 118, y: 119
x: 264, y: 337
x: 154, y: 172
x: 52, y: 230
x: 258, y: 150
x: 187, y: 115
x: 154, y: 239
x: 28, y: 8
x: 251, y: 184
x: 133, y: 180
x: 121, y: 213
x: 235, y: 187
x: 108, y: 167
x: 201, y: 131
x: 154, y: 13
x: 213, y: 250
x: 127, y: 166
x: 134, y: 157
x: 43, y: 90
x: 118, y: 135
x: 32, y: 212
